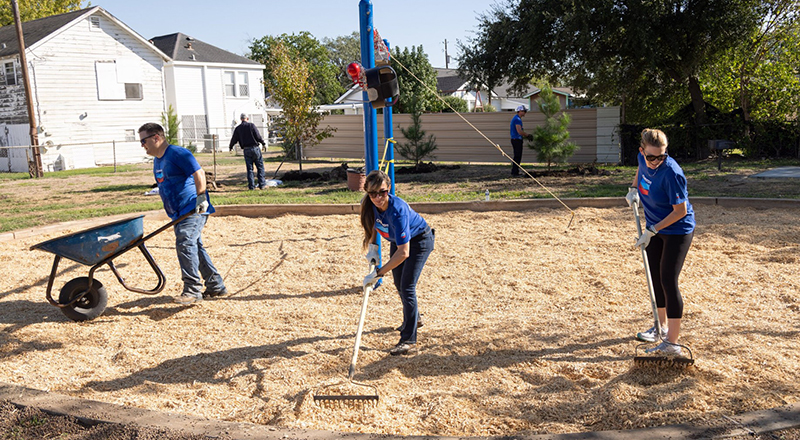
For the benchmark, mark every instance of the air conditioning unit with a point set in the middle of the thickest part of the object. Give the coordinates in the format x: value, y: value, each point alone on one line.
x: 210, y: 142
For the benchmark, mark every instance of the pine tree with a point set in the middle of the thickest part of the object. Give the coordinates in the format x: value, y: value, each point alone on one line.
x: 551, y: 141
x: 418, y: 146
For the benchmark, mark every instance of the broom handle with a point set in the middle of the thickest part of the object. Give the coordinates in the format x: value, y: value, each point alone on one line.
x: 650, y: 289
x: 361, y: 319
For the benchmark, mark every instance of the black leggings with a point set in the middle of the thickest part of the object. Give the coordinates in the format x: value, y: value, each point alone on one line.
x: 666, y: 254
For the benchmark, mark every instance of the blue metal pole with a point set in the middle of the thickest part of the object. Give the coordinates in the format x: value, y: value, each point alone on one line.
x: 388, y: 133
x: 368, y: 61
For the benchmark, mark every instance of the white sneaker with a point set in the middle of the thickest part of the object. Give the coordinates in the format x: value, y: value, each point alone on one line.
x: 650, y: 335
x: 665, y: 348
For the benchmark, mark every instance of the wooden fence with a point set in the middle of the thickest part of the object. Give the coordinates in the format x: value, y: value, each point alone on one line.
x: 593, y: 129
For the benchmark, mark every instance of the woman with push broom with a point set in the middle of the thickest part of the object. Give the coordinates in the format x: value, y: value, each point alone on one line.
x: 411, y: 243
x: 660, y: 187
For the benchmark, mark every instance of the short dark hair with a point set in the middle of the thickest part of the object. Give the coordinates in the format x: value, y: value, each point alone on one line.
x: 152, y: 128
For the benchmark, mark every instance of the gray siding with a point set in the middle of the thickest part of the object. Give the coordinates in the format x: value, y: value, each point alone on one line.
x: 12, y: 98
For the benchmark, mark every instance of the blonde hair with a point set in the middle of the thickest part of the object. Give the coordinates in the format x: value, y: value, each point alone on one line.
x: 654, y: 137
x: 375, y: 179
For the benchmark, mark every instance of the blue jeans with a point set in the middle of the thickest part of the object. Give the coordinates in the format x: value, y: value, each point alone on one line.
x: 252, y: 156
x: 194, y: 259
x: 406, y: 276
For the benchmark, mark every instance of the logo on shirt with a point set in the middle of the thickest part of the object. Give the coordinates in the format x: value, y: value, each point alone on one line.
x: 403, y: 236
x: 160, y: 176
x: 644, y: 186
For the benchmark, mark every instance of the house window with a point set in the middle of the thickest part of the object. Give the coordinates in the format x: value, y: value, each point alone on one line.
x: 94, y: 23
x: 130, y: 135
x: 118, y: 80
x: 237, y: 84
x: 244, y: 89
x: 133, y: 91
x: 11, y: 73
x: 230, y: 85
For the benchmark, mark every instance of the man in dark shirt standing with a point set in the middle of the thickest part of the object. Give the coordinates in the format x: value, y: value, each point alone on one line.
x: 247, y: 136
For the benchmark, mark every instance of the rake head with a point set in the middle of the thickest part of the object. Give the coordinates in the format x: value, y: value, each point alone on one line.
x: 344, y: 398
x: 662, y: 361
x: 674, y: 362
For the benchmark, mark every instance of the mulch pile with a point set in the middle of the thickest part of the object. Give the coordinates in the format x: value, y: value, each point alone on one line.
x: 528, y: 327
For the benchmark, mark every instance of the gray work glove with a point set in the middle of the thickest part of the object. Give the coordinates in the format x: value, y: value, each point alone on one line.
x: 644, y: 240
x: 374, y: 254
x: 633, y: 196
x: 371, y: 279
x: 202, y: 204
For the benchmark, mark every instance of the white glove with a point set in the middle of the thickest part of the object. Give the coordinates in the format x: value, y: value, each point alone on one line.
x: 374, y: 254
x: 644, y: 240
x: 202, y: 204
x: 632, y: 197
x: 371, y: 279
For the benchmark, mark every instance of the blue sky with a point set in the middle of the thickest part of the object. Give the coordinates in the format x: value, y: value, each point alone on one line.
x: 231, y: 25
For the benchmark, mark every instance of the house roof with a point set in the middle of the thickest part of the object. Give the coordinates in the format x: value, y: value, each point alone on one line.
x: 181, y: 47
x: 448, y: 81
x: 40, y: 30
x: 35, y: 30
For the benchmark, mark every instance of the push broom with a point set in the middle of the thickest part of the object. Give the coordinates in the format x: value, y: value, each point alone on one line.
x: 352, y: 400
x: 656, y: 360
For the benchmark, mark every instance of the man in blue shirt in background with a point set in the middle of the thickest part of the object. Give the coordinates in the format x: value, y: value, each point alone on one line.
x: 248, y: 137
x: 182, y: 187
x: 517, y: 133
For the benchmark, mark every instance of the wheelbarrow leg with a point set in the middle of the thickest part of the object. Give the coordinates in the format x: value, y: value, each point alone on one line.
x: 49, y: 294
x: 162, y: 280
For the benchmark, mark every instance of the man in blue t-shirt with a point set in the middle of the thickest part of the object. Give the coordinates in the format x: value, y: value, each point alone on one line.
x: 517, y: 133
x: 182, y: 187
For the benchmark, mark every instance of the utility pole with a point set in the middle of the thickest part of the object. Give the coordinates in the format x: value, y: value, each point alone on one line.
x: 34, y: 168
x: 446, y: 56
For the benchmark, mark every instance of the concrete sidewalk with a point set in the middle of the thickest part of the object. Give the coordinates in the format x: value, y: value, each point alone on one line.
x: 779, y: 173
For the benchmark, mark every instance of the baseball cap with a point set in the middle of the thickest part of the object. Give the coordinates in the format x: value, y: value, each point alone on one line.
x: 243, y: 116
x: 522, y: 108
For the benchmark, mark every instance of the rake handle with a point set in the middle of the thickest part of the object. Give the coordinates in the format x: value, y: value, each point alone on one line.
x: 649, y: 277
x: 361, y: 319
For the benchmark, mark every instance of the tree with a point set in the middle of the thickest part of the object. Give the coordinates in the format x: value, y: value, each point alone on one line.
x: 478, y: 66
x: 33, y: 9
x: 453, y: 104
x: 551, y: 141
x: 342, y: 51
x: 414, y: 96
x: 418, y: 146
x: 294, y: 92
x: 616, y: 49
x: 169, y: 120
x: 759, y: 76
x: 322, y: 72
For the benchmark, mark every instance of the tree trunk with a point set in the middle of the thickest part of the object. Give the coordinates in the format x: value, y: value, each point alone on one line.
x: 699, y: 116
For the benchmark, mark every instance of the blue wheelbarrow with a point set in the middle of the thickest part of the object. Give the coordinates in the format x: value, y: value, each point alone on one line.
x: 85, y: 298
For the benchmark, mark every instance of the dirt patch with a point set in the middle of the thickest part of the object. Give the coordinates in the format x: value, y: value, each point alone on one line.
x: 528, y: 328
x: 32, y: 424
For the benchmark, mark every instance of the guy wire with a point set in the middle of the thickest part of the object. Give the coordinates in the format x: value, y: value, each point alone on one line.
x: 572, y: 217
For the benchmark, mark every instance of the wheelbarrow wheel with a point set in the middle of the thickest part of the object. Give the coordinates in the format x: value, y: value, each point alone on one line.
x: 90, y: 306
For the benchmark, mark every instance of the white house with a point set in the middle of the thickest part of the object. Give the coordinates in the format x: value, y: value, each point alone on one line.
x: 94, y: 82
x: 209, y: 88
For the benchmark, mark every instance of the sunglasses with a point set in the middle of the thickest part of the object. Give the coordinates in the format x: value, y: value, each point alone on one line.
x: 382, y: 192
x: 655, y: 157
x: 144, y: 139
